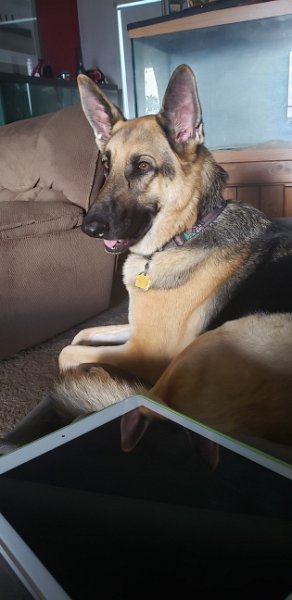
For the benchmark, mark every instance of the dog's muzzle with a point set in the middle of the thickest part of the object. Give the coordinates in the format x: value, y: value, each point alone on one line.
x: 99, y: 230
x: 119, y: 227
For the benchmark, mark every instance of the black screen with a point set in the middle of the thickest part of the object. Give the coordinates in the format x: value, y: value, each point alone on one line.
x: 157, y: 520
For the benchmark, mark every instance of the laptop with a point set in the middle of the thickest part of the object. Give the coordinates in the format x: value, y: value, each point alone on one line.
x: 81, y: 519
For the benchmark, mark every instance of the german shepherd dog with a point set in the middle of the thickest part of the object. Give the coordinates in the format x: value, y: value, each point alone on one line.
x: 209, y: 283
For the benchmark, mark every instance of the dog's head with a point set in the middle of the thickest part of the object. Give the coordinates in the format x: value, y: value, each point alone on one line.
x: 151, y: 164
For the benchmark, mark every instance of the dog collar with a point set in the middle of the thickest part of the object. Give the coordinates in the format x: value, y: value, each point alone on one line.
x: 180, y: 240
x: 143, y: 280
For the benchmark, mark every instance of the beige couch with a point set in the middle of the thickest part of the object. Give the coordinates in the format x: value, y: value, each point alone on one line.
x: 52, y: 276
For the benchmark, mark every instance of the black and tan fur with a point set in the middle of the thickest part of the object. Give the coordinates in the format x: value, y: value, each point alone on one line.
x: 212, y: 336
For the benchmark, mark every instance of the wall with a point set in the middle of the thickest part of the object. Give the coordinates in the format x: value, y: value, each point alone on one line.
x: 99, y: 37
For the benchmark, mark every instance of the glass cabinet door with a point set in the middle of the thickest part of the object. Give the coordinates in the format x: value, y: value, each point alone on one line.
x: 19, y: 39
x: 244, y: 76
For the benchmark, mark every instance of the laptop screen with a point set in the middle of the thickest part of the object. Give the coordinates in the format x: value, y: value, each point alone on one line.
x: 154, y: 520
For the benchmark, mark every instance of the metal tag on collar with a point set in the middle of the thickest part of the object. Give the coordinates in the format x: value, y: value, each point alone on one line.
x: 193, y: 232
x: 142, y: 280
x: 188, y: 235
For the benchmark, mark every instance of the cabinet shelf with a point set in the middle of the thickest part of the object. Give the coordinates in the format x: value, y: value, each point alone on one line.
x: 250, y: 12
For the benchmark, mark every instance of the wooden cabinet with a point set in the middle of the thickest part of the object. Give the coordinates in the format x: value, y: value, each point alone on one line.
x: 263, y: 179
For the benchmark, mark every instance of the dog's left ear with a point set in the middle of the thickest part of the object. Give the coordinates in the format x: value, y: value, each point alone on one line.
x: 181, y: 115
x: 133, y: 427
x: 100, y: 112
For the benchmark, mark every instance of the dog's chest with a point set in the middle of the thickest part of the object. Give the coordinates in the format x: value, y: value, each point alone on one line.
x: 184, y: 288
x: 165, y: 318
x: 165, y: 321
x: 140, y: 272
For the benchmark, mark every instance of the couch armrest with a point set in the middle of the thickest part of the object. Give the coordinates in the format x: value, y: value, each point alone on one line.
x: 68, y: 156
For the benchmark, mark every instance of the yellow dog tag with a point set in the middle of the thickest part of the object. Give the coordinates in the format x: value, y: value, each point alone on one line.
x: 143, y: 281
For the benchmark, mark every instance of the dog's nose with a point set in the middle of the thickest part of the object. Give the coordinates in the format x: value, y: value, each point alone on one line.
x: 95, y: 228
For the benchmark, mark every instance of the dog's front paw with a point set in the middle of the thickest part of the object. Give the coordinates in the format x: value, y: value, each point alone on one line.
x: 85, y: 336
x: 71, y: 357
x: 68, y: 358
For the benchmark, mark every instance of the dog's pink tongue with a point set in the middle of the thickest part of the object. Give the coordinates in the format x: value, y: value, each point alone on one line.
x: 110, y: 243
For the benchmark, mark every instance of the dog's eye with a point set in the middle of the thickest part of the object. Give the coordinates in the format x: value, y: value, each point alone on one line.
x: 144, y: 166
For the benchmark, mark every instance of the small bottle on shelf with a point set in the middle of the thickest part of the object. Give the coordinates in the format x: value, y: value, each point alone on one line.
x: 37, y: 70
x: 29, y: 66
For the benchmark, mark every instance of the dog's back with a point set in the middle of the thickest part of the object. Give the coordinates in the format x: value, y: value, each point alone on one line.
x: 263, y: 284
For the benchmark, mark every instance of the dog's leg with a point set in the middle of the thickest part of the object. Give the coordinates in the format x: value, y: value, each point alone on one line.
x: 102, y: 336
x: 236, y: 379
x: 123, y: 356
x: 96, y: 345
x: 133, y: 357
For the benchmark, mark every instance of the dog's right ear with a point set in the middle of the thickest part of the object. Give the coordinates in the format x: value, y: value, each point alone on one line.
x: 181, y: 115
x: 100, y: 112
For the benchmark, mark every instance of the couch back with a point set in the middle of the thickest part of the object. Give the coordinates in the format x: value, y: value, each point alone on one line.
x: 51, y: 157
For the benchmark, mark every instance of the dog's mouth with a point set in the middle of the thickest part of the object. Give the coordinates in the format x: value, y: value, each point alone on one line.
x: 133, y: 224
x: 118, y: 246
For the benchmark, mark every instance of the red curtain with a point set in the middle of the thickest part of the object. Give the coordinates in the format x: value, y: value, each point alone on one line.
x: 59, y: 34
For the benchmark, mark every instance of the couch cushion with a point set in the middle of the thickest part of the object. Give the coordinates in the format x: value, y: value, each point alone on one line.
x: 55, y: 151
x: 18, y: 153
x: 30, y: 219
x: 36, y: 193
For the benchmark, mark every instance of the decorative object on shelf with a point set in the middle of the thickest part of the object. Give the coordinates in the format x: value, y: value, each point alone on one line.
x: 190, y: 4
x: 40, y: 70
x: 47, y: 71
x: 65, y: 75
x: 221, y: 3
x: 97, y: 75
x: 175, y: 7
x: 37, y: 70
x: 197, y: 3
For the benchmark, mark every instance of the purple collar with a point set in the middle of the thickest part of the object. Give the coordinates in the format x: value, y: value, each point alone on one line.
x: 180, y: 240
x: 142, y: 279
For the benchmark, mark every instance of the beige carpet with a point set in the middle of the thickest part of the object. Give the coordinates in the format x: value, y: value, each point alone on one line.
x: 27, y: 376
